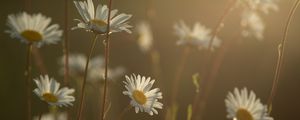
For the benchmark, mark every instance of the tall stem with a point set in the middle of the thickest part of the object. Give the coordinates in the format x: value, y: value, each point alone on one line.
x: 208, y: 55
x: 66, y: 45
x: 38, y: 60
x: 106, y: 43
x: 92, y: 49
x: 211, y: 77
x: 155, y: 59
x: 281, y: 53
x: 29, y: 81
x: 125, y: 110
x: 178, y: 74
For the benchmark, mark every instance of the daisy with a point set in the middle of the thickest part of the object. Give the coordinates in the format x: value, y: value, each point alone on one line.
x: 34, y: 29
x: 96, y: 21
x: 52, y: 116
x: 243, y: 106
x: 198, y: 36
x: 252, y: 25
x: 145, y: 39
x: 77, y: 64
x: 264, y: 6
x: 48, y: 90
x: 142, y: 98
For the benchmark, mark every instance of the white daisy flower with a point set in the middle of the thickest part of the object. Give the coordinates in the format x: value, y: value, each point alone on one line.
x: 33, y: 29
x: 52, y: 116
x: 77, y: 64
x: 48, y: 90
x: 96, y: 21
x: 142, y: 98
x: 264, y: 6
x: 145, y: 39
x: 243, y: 106
x: 252, y: 25
x: 198, y: 36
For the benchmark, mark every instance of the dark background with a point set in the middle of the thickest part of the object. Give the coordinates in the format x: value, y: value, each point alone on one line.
x: 249, y: 63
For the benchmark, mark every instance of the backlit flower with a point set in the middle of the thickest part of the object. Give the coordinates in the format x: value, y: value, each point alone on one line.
x: 96, y: 20
x: 49, y: 91
x: 138, y: 88
x: 244, y: 106
x: 198, y: 36
x: 33, y: 28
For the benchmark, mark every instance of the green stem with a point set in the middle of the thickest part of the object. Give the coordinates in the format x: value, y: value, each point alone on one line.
x: 106, y: 43
x: 125, y: 110
x: 92, y: 49
x: 66, y: 45
x: 208, y: 55
x: 28, y: 73
x: 281, y: 53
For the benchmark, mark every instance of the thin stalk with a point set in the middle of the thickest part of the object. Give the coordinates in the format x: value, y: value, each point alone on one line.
x: 216, y: 30
x: 28, y: 73
x: 211, y: 77
x: 92, y: 49
x: 38, y: 60
x: 178, y: 75
x: 220, y: 24
x: 155, y: 59
x: 125, y: 110
x: 106, y: 43
x: 40, y: 116
x: 281, y: 53
x: 66, y: 45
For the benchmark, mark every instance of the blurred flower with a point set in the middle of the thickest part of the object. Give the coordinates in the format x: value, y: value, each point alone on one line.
x: 77, y: 64
x: 264, y: 6
x: 241, y: 106
x: 48, y: 90
x: 52, y: 116
x: 198, y: 36
x: 253, y: 25
x: 33, y: 29
x: 145, y: 39
x: 142, y: 98
x: 95, y: 21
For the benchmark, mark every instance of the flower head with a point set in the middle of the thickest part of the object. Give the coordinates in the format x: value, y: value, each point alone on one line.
x: 145, y: 39
x: 243, y: 106
x: 198, y: 36
x: 253, y: 25
x: 264, y: 6
x: 33, y: 29
x: 96, y: 21
x: 51, y: 116
x: 77, y: 64
x: 138, y: 88
x: 48, y: 90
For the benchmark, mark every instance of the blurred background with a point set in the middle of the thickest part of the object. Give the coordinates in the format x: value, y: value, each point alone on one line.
x: 247, y: 63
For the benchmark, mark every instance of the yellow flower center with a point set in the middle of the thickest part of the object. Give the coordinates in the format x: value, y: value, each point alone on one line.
x: 50, y: 97
x: 189, y: 37
x: 139, y: 97
x: 100, y: 23
x: 243, y: 114
x: 31, y: 35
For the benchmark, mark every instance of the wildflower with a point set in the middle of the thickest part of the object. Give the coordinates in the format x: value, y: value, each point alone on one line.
x: 142, y: 98
x: 264, y: 6
x: 48, y: 90
x: 145, y: 39
x: 241, y: 106
x: 253, y: 25
x: 77, y: 64
x: 33, y: 29
x: 198, y: 36
x: 52, y: 116
x: 96, y: 21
